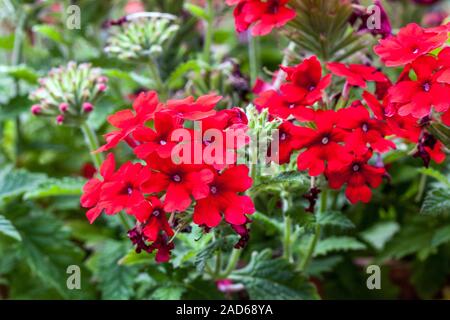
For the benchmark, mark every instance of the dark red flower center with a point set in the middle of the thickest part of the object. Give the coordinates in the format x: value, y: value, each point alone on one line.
x: 415, y: 50
x: 291, y: 106
x: 426, y: 86
x: 325, y: 140
x: 365, y: 127
x: 156, y: 212
x: 356, y: 167
x: 311, y: 88
x: 273, y: 7
x: 176, y: 178
x: 213, y: 189
x: 283, y: 136
x: 162, y: 142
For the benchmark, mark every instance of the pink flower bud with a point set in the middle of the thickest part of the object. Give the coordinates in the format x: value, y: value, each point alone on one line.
x: 102, y: 79
x: 101, y: 87
x: 59, y: 119
x: 63, y: 107
x: 36, y: 109
x: 88, y: 107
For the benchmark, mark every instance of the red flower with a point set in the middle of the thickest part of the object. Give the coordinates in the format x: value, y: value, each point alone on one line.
x: 365, y: 131
x: 445, y: 118
x: 322, y: 145
x: 179, y: 181
x: 124, y: 190
x: 411, y: 42
x: 92, y: 189
x: 223, y: 199
x: 289, y: 137
x: 191, y: 109
x: 357, y: 74
x: 263, y: 15
x: 359, y: 177
x: 280, y: 107
x: 128, y: 121
x: 305, y: 83
x: 417, y: 97
x: 158, y: 140
x: 153, y: 218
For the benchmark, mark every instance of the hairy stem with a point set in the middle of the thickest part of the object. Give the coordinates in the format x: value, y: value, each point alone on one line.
x: 281, y: 74
x: 253, y: 58
x: 232, y: 263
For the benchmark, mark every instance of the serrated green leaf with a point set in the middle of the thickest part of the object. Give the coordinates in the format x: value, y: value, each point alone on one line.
x: 268, y: 278
x: 334, y: 219
x: 171, y: 292
x: 57, y: 187
x: 15, y: 182
x: 437, y: 202
x: 380, y: 233
x: 47, y: 250
x: 333, y: 244
x: 317, y: 267
x: 8, y: 229
x: 206, y: 253
x: 116, y: 280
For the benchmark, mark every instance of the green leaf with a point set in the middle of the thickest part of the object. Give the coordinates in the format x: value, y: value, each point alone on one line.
x: 171, y: 292
x: 441, y: 236
x: 21, y: 72
x: 334, y: 219
x: 47, y: 249
x: 134, y: 258
x: 14, y: 107
x: 16, y: 182
x: 268, y: 278
x: 290, y: 178
x: 57, y: 187
x: 116, y: 280
x: 7, y: 228
x: 435, y: 174
x: 206, y: 253
x: 270, y: 225
x: 333, y: 244
x: 176, y: 77
x: 317, y: 267
x: 196, y: 11
x: 437, y: 202
x: 379, y: 234
x: 414, y: 237
x: 49, y: 31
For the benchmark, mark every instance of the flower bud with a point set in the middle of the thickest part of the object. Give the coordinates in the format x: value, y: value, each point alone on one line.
x: 36, y: 109
x: 59, y: 119
x: 88, y: 107
x: 63, y: 107
x: 101, y: 87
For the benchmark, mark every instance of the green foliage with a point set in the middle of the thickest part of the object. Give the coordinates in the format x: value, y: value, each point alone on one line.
x: 57, y: 187
x: 334, y: 219
x: 437, y: 202
x: 321, y: 27
x: 202, y: 257
x: 8, y: 229
x: 16, y: 182
x: 268, y: 278
x: 333, y: 244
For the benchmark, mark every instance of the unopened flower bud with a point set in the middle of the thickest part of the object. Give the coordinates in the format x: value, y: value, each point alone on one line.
x: 60, y: 119
x: 36, y: 109
x: 87, y: 107
x: 63, y: 107
x: 101, y: 87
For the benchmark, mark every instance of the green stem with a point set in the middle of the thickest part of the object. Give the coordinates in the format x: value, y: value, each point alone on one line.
x: 316, y: 236
x: 92, y: 143
x: 208, y: 32
x: 422, y: 185
x: 156, y: 77
x: 253, y: 58
x: 286, y: 204
x: 232, y: 263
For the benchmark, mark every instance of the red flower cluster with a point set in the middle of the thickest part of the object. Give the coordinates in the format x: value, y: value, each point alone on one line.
x: 160, y: 188
x: 338, y: 144
x: 263, y: 16
x: 421, y: 94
